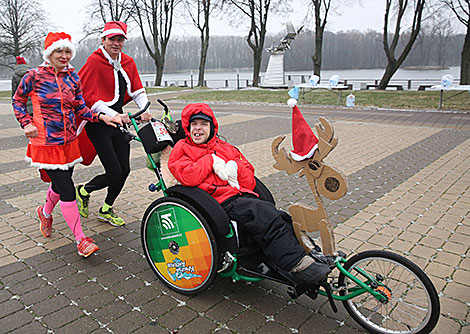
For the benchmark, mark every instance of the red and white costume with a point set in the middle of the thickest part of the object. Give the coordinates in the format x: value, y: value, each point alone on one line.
x: 99, y: 77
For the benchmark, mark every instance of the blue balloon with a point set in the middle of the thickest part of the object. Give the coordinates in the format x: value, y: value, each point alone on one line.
x: 294, y: 93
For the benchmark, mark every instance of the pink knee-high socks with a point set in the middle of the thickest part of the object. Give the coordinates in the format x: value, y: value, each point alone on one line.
x: 72, y: 217
x: 51, y: 200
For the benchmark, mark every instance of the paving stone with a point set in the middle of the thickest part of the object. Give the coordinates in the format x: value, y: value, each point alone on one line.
x: 15, y: 320
x: 38, y: 295
x: 33, y: 327
x: 177, y: 318
x: 9, y: 307
x: 128, y: 323
x: 111, y: 311
x: 224, y: 311
x: 50, y: 305
x: 97, y: 300
x: 84, y: 324
x: 293, y: 315
x: 63, y: 316
x: 247, y: 322
x: 198, y: 325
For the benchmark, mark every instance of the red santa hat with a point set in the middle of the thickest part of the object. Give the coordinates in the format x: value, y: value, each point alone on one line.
x: 303, y: 139
x: 20, y: 60
x: 114, y: 28
x: 57, y: 41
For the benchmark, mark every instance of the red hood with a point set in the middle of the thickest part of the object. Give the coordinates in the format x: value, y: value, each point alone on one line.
x: 194, y: 108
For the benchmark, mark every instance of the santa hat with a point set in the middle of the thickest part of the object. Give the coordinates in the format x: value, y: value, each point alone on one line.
x: 303, y: 139
x: 20, y: 60
x: 114, y: 28
x: 55, y: 41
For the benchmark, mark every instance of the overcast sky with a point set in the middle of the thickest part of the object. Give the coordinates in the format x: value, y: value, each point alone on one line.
x: 362, y: 15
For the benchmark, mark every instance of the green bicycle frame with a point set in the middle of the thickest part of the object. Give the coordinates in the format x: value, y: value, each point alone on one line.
x: 160, y: 185
x: 362, y: 287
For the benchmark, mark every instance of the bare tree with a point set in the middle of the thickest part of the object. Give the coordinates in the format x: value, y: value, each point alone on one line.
x: 156, y: 17
x: 320, y: 9
x: 102, y: 11
x: 257, y: 12
x: 399, y: 9
x: 461, y: 9
x: 200, y: 11
x: 22, y: 27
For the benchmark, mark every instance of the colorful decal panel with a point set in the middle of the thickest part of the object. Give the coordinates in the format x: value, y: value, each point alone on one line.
x: 179, y: 246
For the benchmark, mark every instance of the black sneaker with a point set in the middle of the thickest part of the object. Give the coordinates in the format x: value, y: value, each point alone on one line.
x: 312, y: 274
x: 322, y: 258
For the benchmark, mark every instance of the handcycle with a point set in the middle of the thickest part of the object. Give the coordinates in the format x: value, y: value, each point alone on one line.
x: 188, y: 240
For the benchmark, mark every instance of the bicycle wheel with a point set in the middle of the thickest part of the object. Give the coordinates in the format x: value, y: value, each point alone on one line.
x: 411, y: 304
x: 179, y: 245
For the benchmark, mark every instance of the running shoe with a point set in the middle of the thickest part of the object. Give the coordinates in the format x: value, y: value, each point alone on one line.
x: 45, y: 224
x: 82, y: 202
x: 110, y: 217
x: 86, y: 247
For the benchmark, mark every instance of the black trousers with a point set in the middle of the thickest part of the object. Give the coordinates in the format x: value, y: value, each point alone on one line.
x: 266, y: 225
x: 114, y: 154
x: 62, y: 183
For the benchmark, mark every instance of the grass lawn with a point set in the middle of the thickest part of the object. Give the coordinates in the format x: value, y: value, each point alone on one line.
x: 374, y: 99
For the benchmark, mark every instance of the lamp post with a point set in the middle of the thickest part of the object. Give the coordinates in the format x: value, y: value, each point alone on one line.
x: 238, y: 79
x: 191, y: 79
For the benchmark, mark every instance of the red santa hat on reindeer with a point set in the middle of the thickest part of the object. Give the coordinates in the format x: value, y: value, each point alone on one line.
x: 303, y: 139
x: 57, y: 40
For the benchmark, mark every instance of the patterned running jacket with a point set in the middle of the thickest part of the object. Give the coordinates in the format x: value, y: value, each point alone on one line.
x: 57, y: 100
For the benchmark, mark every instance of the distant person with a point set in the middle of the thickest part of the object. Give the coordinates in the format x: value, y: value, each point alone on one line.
x: 110, y: 80
x: 52, y: 132
x: 205, y: 161
x: 20, y: 69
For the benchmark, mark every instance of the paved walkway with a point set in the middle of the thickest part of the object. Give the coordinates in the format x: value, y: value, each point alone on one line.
x: 409, y: 180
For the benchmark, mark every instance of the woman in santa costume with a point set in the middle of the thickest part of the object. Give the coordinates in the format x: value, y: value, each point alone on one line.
x: 110, y: 80
x: 56, y: 93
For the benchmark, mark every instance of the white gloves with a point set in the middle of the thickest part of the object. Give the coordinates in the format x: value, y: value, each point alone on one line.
x: 226, y: 171
x: 219, y: 167
x: 232, y: 172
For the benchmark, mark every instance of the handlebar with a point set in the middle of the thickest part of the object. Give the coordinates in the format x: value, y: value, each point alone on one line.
x: 136, y: 116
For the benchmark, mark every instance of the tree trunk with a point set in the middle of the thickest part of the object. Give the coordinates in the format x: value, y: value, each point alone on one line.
x: 465, y: 60
x: 389, y: 72
x: 256, y: 66
x: 202, y: 61
x: 317, y: 57
x: 159, y: 75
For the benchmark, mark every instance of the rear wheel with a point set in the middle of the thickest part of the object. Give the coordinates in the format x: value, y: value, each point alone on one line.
x: 179, y: 245
x: 410, y: 303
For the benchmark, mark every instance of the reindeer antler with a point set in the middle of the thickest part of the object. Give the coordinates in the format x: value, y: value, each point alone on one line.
x: 326, y: 141
x: 283, y: 161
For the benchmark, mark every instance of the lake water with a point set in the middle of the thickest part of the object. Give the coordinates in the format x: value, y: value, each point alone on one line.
x: 354, y: 77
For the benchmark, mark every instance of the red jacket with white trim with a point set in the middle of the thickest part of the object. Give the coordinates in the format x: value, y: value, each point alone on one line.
x: 191, y: 164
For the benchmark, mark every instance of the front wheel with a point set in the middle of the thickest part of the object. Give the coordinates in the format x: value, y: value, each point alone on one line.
x: 179, y: 245
x: 410, y: 303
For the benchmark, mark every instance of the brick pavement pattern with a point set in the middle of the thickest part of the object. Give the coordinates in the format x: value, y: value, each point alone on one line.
x: 408, y: 192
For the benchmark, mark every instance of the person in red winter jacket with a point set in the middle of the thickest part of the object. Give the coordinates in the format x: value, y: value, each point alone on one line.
x: 204, y: 160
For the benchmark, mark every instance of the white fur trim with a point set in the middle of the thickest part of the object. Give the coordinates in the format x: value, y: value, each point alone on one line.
x: 113, y: 31
x: 101, y: 106
x: 291, y: 102
x: 52, y: 166
x: 60, y: 44
x: 140, y: 98
x: 297, y: 157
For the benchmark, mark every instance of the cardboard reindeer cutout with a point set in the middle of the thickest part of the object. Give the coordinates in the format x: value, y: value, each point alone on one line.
x: 307, y: 158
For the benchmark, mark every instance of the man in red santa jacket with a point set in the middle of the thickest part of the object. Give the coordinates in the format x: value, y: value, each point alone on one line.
x: 110, y: 80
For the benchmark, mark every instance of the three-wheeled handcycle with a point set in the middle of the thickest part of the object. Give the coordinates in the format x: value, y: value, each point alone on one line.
x: 188, y: 240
